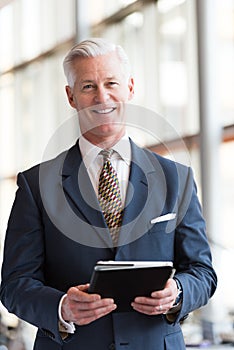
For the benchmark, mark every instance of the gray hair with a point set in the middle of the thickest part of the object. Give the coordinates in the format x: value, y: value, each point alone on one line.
x: 93, y: 47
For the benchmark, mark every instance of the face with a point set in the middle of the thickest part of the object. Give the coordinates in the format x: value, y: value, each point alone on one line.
x: 101, y: 88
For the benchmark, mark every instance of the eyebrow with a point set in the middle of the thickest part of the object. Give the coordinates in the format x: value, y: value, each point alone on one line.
x: 93, y: 80
x: 86, y: 81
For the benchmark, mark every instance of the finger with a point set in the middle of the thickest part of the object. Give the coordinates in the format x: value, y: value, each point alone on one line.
x: 152, y: 306
x: 148, y: 301
x: 92, y: 305
x: 169, y: 290
x: 77, y: 295
x: 147, y: 309
x: 151, y: 309
x: 86, y: 317
x: 161, y: 294
x: 167, y: 302
x: 83, y: 287
x: 164, y: 301
x: 146, y: 305
x: 83, y: 312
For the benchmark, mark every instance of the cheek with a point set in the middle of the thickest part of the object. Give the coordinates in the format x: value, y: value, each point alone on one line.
x: 82, y: 102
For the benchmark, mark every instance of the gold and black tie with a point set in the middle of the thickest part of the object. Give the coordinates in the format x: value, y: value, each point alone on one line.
x: 109, y: 196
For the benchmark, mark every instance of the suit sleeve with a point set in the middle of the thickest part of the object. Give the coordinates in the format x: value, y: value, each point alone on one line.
x: 23, y: 290
x: 192, y: 252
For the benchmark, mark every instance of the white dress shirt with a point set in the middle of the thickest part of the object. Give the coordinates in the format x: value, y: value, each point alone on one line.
x: 120, y: 160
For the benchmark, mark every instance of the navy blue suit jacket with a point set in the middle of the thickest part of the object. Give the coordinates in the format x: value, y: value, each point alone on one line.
x: 56, y: 233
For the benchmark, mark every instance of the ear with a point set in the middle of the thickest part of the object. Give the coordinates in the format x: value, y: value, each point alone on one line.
x: 70, y: 96
x: 131, y: 88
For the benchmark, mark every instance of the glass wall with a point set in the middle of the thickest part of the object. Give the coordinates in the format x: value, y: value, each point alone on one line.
x: 34, y: 36
x: 225, y: 30
x: 225, y: 73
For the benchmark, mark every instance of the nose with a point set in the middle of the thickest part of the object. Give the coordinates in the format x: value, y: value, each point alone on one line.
x: 101, y: 95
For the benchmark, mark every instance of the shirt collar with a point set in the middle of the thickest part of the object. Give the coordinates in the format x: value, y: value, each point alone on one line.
x: 90, y: 152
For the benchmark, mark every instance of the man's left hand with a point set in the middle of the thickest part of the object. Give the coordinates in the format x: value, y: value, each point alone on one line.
x: 160, y: 302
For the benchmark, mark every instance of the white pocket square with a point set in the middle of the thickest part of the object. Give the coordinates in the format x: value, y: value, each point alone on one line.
x: 166, y: 217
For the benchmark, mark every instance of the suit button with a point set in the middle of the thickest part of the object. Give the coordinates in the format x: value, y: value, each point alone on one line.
x: 112, y: 346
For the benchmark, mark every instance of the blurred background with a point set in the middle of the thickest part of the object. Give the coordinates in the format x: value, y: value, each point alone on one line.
x: 182, y: 56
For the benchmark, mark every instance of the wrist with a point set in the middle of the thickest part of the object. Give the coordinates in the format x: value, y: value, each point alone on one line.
x: 179, y: 296
x: 64, y: 326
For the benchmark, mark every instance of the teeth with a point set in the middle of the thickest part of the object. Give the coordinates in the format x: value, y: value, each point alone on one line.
x: 104, y: 111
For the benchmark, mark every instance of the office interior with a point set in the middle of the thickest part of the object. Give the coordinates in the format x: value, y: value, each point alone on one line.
x: 182, y: 56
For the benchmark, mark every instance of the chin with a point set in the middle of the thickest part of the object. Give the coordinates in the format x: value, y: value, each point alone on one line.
x: 106, y: 131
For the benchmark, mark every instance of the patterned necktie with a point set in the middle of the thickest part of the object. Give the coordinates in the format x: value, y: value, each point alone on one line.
x: 109, y: 196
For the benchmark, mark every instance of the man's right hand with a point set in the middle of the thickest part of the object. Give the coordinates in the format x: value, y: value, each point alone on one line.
x: 83, y: 308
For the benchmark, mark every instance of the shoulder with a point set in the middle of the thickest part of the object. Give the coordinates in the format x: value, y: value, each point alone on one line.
x: 174, y: 174
x: 167, y: 165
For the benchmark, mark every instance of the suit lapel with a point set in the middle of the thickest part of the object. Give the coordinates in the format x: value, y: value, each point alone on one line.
x: 145, y: 195
x: 83, y: 200
x: 145, y: 198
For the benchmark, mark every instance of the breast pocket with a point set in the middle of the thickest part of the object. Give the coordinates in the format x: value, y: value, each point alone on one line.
x: 164, y: 226
x: 161, y: 241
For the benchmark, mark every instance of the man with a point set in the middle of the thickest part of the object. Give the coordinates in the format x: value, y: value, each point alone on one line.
x: 59, y: 226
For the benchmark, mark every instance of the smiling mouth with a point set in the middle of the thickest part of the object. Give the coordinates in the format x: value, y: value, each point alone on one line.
x: 104, y: 110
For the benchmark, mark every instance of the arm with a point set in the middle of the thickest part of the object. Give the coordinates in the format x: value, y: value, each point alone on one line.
x: 25, y: 290
x: 192, y: 260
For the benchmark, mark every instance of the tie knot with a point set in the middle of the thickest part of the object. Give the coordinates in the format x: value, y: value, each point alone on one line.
x: 107, y: 153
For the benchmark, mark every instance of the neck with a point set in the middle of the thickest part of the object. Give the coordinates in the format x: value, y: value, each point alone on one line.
x: 104, y: 142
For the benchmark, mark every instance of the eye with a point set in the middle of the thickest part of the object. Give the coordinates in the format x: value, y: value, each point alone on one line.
x: 87, y: 87
x: 112, y: 83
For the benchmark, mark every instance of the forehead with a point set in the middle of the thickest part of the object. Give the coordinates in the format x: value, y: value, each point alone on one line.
x: 108, y: 65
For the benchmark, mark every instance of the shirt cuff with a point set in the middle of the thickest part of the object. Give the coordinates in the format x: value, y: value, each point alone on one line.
x: 64, y: 326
